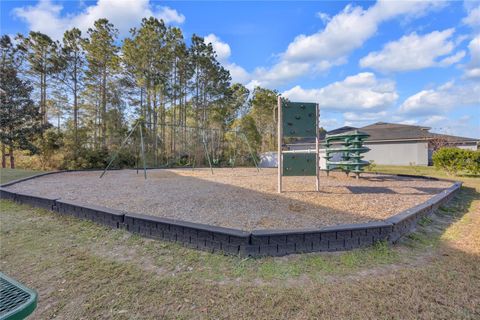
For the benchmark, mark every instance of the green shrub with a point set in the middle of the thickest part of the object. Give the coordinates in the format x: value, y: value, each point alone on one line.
x: 455, y: 160
x: 473, y: 162
x: 98, y: 159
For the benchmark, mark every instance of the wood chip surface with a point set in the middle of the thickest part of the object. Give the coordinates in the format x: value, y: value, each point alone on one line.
x: 241, y: 198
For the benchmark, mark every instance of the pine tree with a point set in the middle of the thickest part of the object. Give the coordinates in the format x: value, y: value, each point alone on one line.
x: 148, y: 55
x: 103, y: 64
x: 211, y: 80
x: 263, y: 111
x: 40, y: 52
x: 70, y: 63
x: 20, y: 119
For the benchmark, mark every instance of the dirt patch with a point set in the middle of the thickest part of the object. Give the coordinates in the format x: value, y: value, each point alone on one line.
x: 241, y: 198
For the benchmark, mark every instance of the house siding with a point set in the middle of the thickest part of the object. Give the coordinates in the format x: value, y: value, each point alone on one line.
x: 398, y: 153
x: 468, y: 147
x: 388, y: 153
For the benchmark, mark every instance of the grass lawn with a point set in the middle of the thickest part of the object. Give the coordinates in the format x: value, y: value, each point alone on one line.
x: 82, y: 270
x: 14, y: 174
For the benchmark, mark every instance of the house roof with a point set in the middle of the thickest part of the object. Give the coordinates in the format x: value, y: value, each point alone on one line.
x: 381, y: 131
x: 384, y: 131
x: 341, y: 130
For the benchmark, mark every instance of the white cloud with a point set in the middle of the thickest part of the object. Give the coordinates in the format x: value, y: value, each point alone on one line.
x: 472, y: 69
x: 472, y: 73
x: 465, y: 126
x: 344, y: 32
x: 280, y: 73
x: 364, y: 117
x: 221, y: 48
x: 44, y: 17
x: 47, y: 17
x: 360, y: 119
x: 413, y: 52
x: 169, y: 15
x: 359, y: 93
x: 223, y: 52
x: 434, y: 120
x: 328, y: 123
x: 324, y: 17
x: 473, y: 17
x: 442, y: 99
x: 238, y: 73
x: 454, y: 58
x: 409, y: 121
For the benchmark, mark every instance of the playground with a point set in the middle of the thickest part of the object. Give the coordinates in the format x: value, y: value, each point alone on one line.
x: 241, y: 198
x: 298, y: 207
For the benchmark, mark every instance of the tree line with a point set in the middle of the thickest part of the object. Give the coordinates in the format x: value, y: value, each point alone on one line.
x: 80, y: 96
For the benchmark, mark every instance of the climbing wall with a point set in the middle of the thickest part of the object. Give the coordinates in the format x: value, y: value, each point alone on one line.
x: 299, y: 164
x: 299, y: 121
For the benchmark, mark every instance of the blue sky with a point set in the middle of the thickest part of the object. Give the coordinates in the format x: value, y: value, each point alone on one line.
x: 415, y: 62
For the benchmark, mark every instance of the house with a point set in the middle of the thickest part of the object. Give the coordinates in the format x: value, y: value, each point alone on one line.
x: 401, y: 144
x: 394, y: 144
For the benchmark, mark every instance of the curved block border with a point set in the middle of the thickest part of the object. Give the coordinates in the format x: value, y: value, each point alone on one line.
x: 237, y: 242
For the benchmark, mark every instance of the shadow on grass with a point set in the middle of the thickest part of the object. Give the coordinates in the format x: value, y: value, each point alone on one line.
x: 432, y: 230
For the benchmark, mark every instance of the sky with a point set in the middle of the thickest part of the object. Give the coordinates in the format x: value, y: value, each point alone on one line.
x: 410, y: 62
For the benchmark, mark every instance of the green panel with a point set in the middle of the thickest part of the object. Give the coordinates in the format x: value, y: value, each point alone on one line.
x: 299, y: 164
x: 299, y: 119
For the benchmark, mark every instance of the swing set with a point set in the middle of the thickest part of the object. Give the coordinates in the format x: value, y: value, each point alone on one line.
x: 210, y: 139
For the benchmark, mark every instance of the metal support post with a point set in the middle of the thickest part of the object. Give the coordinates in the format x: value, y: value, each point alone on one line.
x: 279, y: 144
x: 119, y: 149
x: 251, y: 152
x: 143, y: 153
x: 206, y: 150
x: 317, y: 151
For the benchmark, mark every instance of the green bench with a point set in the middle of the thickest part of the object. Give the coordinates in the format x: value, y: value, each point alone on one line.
x: 16, y: 300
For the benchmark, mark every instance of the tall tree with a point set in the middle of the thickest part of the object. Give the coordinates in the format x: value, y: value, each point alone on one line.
x: 70, y: 63
x: 210, y: 79
x: 103, y: 64
x: 10, y: 54
x: 232, y: 106
x: 40, y: 53
x: 263, y: 110
x: 183, y: 73
x: 148, y: 54
x: 177, y: 56
x: 20, y: 119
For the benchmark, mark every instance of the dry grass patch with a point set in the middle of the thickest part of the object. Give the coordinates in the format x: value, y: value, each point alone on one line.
x: 82, y: 270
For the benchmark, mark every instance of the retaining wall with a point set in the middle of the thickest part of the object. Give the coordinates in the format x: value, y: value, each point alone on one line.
x: 238, y: 242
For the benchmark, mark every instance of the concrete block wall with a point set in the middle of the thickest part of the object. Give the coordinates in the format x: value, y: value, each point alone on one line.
x: 335, y: 238
x: 101, y: 215
x: 193, y: 235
